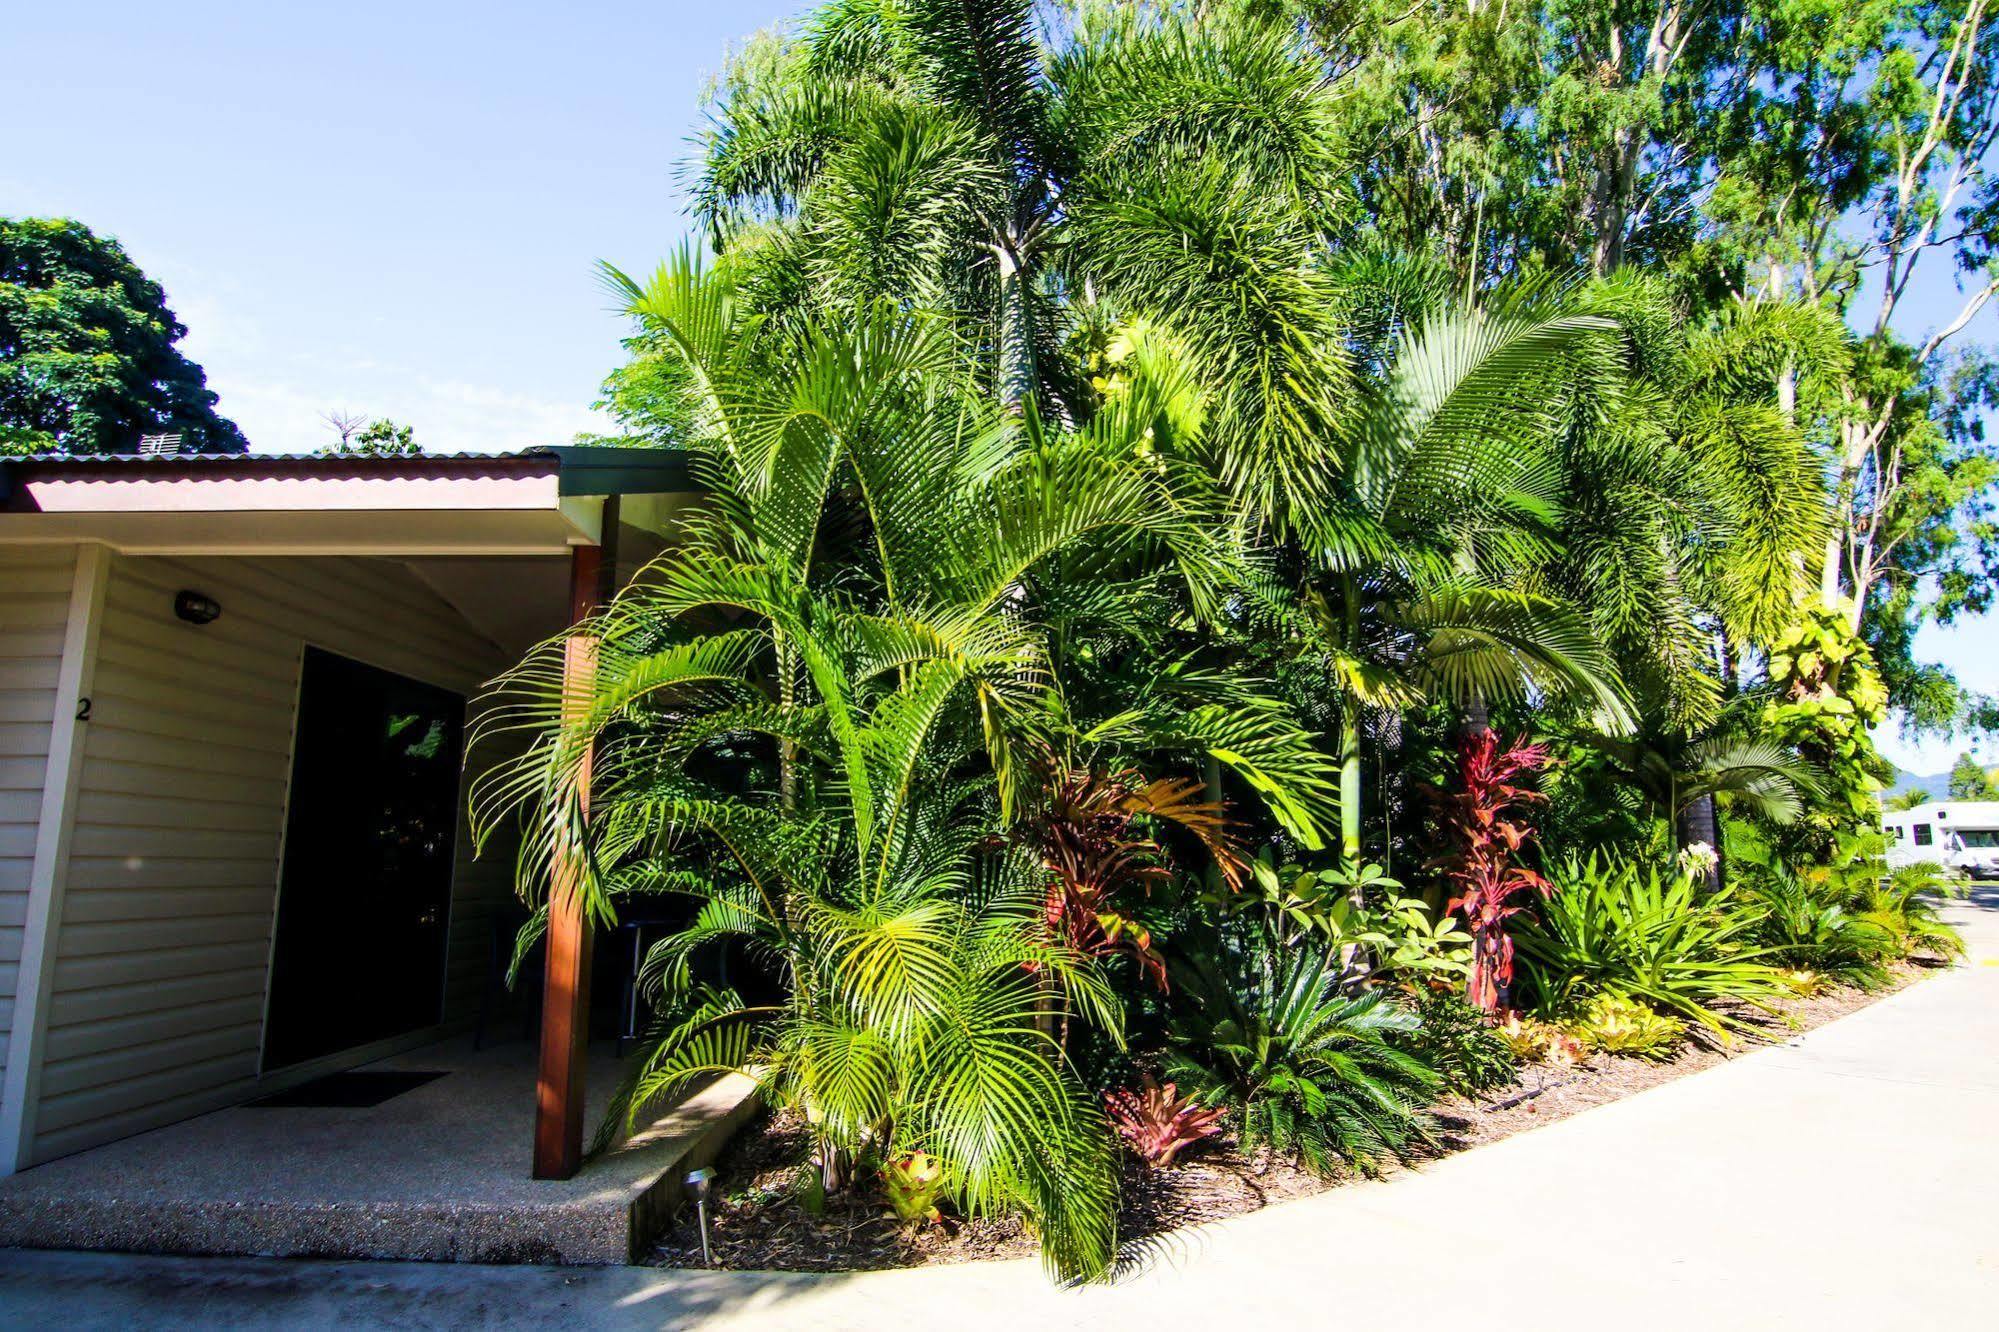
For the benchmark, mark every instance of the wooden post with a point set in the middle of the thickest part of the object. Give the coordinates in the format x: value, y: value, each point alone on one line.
x: 565, y: 1010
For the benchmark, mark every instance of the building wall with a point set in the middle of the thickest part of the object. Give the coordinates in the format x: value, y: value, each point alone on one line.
x: 35, y: 587
x: 162, y: 956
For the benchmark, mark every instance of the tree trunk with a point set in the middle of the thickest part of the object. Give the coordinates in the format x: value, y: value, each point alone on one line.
x: 1350, y: 786
x: 1698, y: 825
x: 1211, y: 779
x: 1016, y: 330
x: 1478, y: 718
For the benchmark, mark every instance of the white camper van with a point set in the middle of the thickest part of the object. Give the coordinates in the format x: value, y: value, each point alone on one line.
x: 1960, y: 834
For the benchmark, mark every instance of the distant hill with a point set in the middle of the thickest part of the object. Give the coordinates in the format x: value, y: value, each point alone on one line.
x: 1936, y: 786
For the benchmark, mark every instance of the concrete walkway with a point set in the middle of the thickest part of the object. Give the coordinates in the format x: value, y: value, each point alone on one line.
x: 1849, y: 1179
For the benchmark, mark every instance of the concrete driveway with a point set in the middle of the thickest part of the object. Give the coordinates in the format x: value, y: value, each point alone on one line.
x: 1849, y: 1179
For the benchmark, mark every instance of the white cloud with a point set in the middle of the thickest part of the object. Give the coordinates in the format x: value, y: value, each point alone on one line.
x: 448, y: 416
x: 277, y: 388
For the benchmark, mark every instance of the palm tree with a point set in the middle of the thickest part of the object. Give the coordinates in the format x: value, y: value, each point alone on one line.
x: 851, y: 609
x: 1695, y: 506
x: 1693, y: 501
x: 1045, y: 180
x: 1419, y: 572
x: 1681, y: 778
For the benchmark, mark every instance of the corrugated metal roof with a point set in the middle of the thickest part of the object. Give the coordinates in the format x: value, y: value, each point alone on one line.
x: 170, y: 459
x: 581, y: 469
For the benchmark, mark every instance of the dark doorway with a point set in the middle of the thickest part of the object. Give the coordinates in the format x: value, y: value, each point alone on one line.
x: 364, y: 899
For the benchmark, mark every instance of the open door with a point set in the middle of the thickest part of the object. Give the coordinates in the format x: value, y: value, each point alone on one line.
x: 364, y: 897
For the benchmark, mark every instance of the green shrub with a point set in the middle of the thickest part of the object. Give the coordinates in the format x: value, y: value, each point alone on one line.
x: 1306, y: 1070
x: 1617, y: 928
x: 1851, y: 915
x: 1809, y: 929
x: 1619, y: 1026
x: 1457, y: 1041
x: 1903, y: 902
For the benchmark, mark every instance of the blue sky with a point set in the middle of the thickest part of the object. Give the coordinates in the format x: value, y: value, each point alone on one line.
x: 388, y: 208
x: 394, y: 209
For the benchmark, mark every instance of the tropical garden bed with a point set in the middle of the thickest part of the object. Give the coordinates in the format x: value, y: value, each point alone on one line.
x: 1160, y: 677
x: 760, y: 1222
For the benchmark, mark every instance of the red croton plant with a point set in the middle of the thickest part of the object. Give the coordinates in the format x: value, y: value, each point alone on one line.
x: 1485, y: 819
x: 1090, y: 831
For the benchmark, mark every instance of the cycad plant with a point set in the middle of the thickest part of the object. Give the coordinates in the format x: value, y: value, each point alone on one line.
x: 1901, y: 901
x: 1811, y: 928
x: 1311, y: 1071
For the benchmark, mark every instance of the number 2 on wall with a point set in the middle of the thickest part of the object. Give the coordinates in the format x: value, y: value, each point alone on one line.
x: 83, y: 709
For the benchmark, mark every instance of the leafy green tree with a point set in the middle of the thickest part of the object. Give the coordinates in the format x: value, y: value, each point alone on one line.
x: 381, y: 438
x: 1756, y: 154
x: 87, y: 356
x: 1970, y: 780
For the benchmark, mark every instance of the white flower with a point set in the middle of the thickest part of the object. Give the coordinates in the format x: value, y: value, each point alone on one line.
x: 1697, y: 861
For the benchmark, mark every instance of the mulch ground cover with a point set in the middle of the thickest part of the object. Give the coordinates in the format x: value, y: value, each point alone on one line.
x: 757, y: 1220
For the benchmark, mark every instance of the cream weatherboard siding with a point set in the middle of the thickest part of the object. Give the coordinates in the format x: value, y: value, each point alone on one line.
x: 161, y: 960
x: 34, y: 607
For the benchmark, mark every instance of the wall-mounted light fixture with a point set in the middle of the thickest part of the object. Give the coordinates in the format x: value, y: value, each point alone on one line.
x: 195, y: 607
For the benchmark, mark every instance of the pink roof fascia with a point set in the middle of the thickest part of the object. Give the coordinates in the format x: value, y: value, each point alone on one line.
x: 240, y: 485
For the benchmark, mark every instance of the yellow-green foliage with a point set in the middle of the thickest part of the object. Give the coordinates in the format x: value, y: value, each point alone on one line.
x: 913, y: 1182
x: 1829, y: 698
x: 1533, y: 1041
x: 1809, y: 984
x: 1620, y: 1026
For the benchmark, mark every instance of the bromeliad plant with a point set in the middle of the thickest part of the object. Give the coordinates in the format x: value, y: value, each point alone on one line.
x: 1626, y: 929
x: 1159, y: 1123
x: 913, y: 1182
x: 1484, y: 821
x: 1620, y: 1026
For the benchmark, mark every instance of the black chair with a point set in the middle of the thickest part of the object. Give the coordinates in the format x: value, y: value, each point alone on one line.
x: 629, y: 943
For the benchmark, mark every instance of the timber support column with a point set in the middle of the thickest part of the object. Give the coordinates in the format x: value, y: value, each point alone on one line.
x: 565, y: 1010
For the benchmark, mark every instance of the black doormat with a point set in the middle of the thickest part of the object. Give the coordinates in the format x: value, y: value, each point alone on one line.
x: 350, y: 1091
